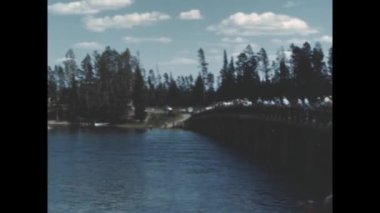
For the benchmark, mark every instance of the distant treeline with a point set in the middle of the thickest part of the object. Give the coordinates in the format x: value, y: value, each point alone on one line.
x: 108, y: 85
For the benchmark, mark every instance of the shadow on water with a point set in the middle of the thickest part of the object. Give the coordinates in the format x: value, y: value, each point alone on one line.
x: 302, y: 186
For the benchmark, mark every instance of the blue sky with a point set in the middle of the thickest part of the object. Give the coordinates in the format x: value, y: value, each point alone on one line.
x: 168, y: 33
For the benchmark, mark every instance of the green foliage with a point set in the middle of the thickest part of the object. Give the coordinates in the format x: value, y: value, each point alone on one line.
x: 108, y: 84
x: 139, y: 95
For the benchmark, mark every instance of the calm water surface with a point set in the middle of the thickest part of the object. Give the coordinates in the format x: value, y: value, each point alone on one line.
x: 155, y: 170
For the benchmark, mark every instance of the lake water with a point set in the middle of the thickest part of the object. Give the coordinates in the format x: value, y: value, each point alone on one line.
x: 159, y: 170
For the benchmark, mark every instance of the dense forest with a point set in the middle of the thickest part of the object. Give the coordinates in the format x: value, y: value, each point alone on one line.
x: 110, y: 86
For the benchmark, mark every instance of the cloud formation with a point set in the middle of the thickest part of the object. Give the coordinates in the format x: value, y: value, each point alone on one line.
x: 124, y: 21
x: 326, y: 38
x: 136, y: 40
x: 61, y: 60
x: 301, y: 41
x: 180, y: 61
x: 194, y: 14
x: 254, y: 24
x: 88, y: 45
x: 86, y: 7
x: 236, y: 40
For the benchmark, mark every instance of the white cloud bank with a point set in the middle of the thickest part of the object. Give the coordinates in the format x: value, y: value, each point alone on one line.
x: 136, y: 40
x: 124, y: 21
x: 194, y: 14
x: 180, y: 61
x: 254, y: 24
x: 326, y: 38
x: 301, y: 41
x: 86, y: 7
x: 236, y: 40
x: 88, y: 45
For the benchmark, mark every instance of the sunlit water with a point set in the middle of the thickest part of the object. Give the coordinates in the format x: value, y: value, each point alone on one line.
x: 155, y: 171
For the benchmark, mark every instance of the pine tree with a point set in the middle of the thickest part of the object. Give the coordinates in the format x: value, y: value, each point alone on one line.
x: 210, y: 94
x: 222, y: 90
x: 199, y: 91
x: 71, y: 71
x: 302, y: 69
x: 330, y: 61
x: 173, y: 93
x: 87, y: 87
x: 151, y: 81
x: 248, y: 79
x: 284, y: 82
x: 232, y: 89
x: 264, y: 65
x: 318, y: 80
x: 330, y: 70
x: 123, y: 84
x: 139, y: 94
x: 52, y: 87
x: 265, y: 88
x: 203, y: 66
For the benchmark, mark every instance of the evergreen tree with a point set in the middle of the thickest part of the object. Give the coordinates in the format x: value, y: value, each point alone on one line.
x: 151, y: 81
x: 52, y: 87
x: 330, y: 70
x: 210, y: 95
x: 264, y: 65
x: 87, y: 87
x: 302, y: 69
x: 199, y: 91
x: 248, y: 78
x: 139, y: 94
x: 222, y: 90
x: 173, y: 93
x: 265, y: 86
x: 319, y: 81
x: 203, y: 66
x: 71, y: 71
x: 284, y: 82
x: 123, y: 84
x: 232, y: 89
x: 330, y: 61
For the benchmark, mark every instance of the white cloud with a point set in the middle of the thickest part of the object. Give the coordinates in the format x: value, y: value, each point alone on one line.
x: 290, y: 4
x: 237, y: 40
x: 296, y: 41
x: 190, y: 15
x: 180, y: 61
x: 60, y: 60
x: 326, y: 38
x: 85, y: 7
x: 88, y: 45
x: 301, y: 41
x: 136, y: 40
x: 254, y: 24
x: 124, y: 21
x: 288, y: 53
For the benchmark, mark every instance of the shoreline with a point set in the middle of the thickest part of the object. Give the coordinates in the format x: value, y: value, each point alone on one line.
x: 52, y: 123
x: 153, y: 120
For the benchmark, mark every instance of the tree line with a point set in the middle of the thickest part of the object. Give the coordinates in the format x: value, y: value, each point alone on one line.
x: 109, y: 86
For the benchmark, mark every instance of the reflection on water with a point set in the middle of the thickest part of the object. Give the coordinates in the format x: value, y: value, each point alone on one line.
x: 110, y: 170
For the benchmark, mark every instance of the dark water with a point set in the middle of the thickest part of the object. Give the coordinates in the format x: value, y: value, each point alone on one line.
x: 155, y: 171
